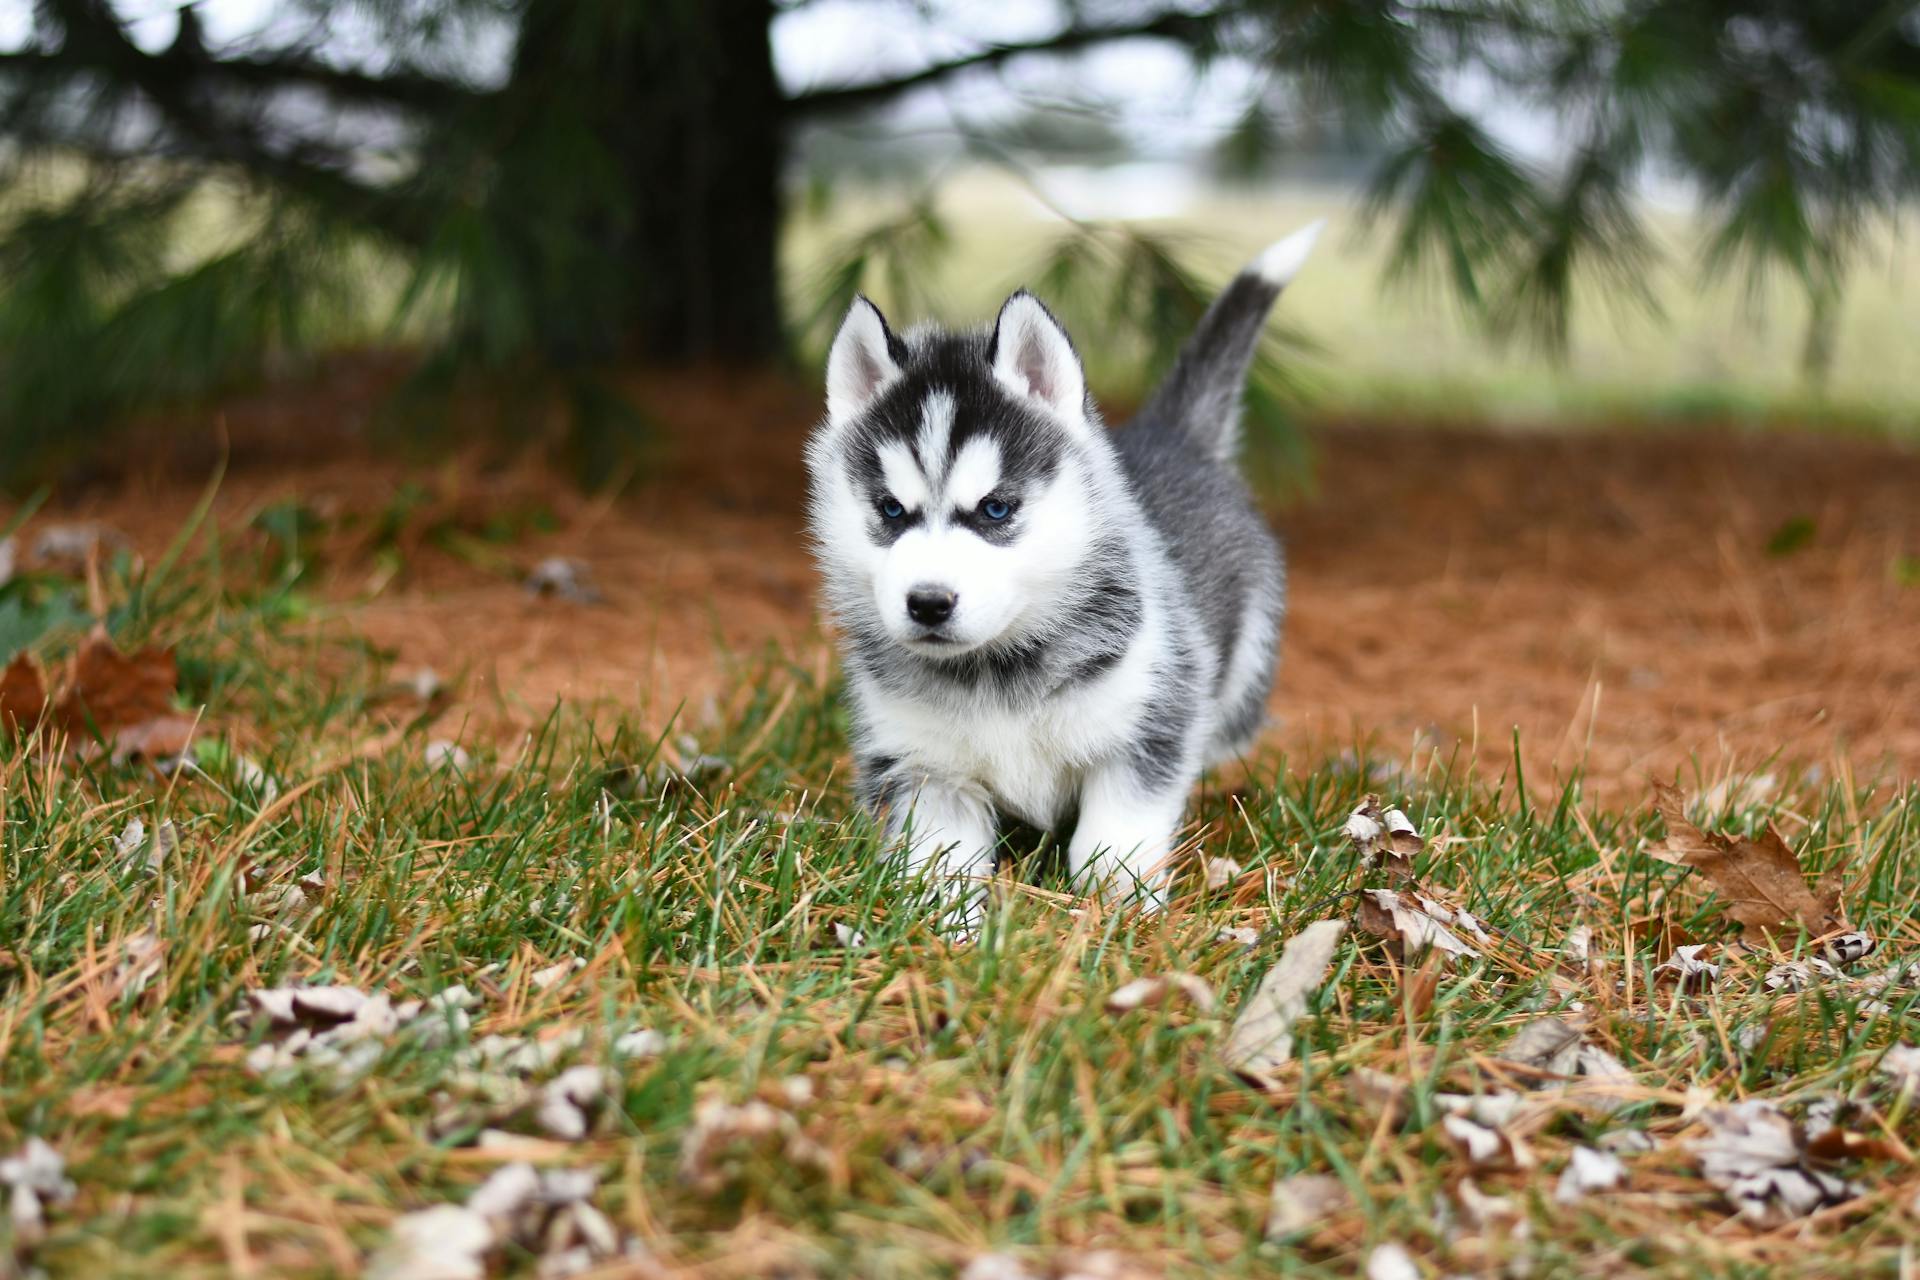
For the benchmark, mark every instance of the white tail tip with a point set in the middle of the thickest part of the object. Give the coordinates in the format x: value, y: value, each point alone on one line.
x: 1282, y: 260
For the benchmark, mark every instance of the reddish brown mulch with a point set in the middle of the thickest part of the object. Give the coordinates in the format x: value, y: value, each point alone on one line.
x: 1610, y: 596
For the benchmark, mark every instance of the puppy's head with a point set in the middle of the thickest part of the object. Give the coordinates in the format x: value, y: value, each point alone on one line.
x: 951, y: 498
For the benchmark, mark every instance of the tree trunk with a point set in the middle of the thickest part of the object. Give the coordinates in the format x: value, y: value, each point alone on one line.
x: 644, y: 167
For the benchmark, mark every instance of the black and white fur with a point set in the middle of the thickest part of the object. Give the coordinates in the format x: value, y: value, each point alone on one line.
x: 1040, y: 617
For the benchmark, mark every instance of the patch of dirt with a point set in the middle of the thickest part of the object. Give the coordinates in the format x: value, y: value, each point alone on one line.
x: 1612, y: 598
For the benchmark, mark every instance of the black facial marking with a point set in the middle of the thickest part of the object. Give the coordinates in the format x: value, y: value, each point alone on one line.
x: 998, y: 532
x: 1029, y: 442
x: 886, y: 530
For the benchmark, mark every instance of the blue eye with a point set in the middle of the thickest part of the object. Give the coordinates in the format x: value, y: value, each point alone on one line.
x: 891, y: 509
x: 995, y: 510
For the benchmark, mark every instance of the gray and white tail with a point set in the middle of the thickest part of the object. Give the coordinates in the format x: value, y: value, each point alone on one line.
x: 1201, y: 393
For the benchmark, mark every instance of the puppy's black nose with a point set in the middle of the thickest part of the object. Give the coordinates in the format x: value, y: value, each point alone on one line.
x: 929, y: 606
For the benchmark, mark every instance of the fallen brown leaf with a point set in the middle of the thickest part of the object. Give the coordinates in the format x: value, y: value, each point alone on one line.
x: 1689, y: 970
x: 23, y: 693
x: 1757, y: 1157
x: 1485, y: 1146
x: 1556, y: 1053
x: 725, y: 1137
x: 1384, y: 835
x: 1262, y: 1036
x: 1760, y: 879
x: 1303, y: 1201
x: 1484, y: 1211
x: 1416, y: 922
x: 1840, y: 1144
x: 110, y: 690
x: 1162, y: 989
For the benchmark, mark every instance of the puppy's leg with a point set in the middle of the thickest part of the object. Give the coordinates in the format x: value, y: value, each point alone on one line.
x: 1126, y: 834
x: 950, y: 842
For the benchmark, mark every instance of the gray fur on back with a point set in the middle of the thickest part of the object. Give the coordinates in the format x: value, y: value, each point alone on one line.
x: 1205, y: 513
x: 1179, y: 456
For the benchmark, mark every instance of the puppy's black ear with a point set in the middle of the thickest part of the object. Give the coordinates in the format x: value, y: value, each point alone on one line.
x: 1034, y: 358
x: 865, y: 358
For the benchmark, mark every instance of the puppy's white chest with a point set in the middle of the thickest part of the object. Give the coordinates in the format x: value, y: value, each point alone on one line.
x: 1021, y: 761
x: 1030, y: 758
x: 1029, y: 761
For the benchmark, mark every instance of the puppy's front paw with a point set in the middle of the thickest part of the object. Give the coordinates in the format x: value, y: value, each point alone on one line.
x: 961, y: 921
x: 1124, y: 840
x: 1119, y: 884
x: 1122, y: 869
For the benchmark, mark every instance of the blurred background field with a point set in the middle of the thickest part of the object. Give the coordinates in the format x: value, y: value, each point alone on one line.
x: 1710, y: 351
x: 1637, y: 211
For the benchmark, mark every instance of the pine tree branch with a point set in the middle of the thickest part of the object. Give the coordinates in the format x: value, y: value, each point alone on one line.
x: 260, y: 72
x: 1186, y: 28
x: 176, y: 86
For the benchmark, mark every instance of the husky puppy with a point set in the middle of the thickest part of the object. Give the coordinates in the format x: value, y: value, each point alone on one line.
x: 1041, y: 618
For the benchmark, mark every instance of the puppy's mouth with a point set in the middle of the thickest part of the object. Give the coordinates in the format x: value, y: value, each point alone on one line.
x: 935, y: 642
x: 932, y: 638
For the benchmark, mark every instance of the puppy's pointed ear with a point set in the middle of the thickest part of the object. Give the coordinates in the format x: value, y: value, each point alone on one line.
x: 1033, y: 357
x: 865, y: 358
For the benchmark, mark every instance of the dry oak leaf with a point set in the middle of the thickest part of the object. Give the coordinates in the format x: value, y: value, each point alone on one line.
x: 1162, y: 989
x: 23, y: 693
x: 1385, y: 835
x: 112, y: 690
x: 1262, y: 1037
x: 1760, y: 879
x: 123, y: 700
x: 1303, y: 1201
x: 1417, y: 922
x: 1758, y: 1158
x: 1485, y: 1146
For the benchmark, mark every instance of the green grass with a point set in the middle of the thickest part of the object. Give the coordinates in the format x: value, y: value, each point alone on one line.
x: 961, y: 1099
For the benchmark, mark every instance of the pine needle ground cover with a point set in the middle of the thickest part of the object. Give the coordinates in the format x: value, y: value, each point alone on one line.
x: 315, y: 992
